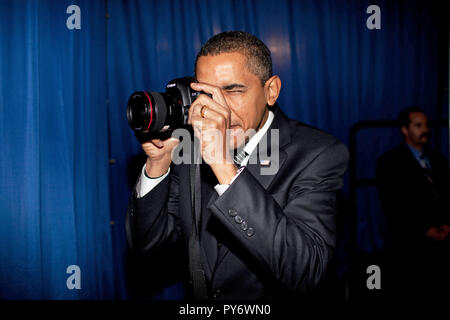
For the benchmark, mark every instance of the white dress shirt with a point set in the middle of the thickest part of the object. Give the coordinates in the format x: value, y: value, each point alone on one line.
x: 146, y: 184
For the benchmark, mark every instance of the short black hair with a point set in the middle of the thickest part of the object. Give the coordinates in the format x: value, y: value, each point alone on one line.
x: 259, y: 60
x: 403, y: 117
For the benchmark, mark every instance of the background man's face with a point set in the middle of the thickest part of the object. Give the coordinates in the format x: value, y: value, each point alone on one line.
x: 417, y: 131
x: 242, y: 90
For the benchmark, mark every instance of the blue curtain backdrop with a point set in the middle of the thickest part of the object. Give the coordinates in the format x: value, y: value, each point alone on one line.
x: 54, y: 180
x: 63, y: 96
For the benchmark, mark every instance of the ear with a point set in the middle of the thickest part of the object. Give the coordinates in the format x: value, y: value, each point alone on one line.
x: 272, y: 89
x: 404, y: 131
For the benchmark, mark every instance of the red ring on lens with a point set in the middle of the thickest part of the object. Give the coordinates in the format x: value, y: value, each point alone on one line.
x: 151, y: 110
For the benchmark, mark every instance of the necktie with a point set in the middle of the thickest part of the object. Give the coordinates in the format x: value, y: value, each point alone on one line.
x: 424, y: 164
x: 427, y: 170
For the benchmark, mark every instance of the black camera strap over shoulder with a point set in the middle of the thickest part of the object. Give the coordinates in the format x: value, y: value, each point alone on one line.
x: 195, y: 264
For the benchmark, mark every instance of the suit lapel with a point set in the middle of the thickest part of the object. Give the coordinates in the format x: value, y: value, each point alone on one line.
x: 411, y: 159
x: 269, y: 156
x: 273, y: 144
x: 257, y: 170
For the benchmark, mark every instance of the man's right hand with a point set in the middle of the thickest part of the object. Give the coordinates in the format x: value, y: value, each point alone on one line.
x: 159, y: 156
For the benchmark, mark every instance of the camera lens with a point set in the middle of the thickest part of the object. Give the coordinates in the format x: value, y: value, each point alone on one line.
x: 140, y: 111
x: 147, y: 111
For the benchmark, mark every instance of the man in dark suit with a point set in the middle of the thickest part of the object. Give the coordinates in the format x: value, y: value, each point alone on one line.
x: 261, y: 234
x: 414, y: 187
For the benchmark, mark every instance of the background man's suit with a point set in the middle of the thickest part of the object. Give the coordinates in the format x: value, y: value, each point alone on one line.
x: 412, y: 205
x: 288, y: 236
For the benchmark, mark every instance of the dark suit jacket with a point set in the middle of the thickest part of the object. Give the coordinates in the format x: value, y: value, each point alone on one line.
x: 291, y: 214
x: 409, y: 201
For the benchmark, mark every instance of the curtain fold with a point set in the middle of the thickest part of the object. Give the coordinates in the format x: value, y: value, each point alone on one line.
x: 54, y: 208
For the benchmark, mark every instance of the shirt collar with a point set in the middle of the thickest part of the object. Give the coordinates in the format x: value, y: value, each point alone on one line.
x: 253, y: 142
x: 414, y: 151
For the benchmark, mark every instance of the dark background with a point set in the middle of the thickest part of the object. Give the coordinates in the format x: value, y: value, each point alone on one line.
x: 68, y: 159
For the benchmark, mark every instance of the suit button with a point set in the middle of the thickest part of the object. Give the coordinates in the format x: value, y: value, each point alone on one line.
x: 238, y: 219
x: 232, y: 212
x: 244, y: 225
x: 132, y: 212
x: 216, y: 294
x: 250, y: 232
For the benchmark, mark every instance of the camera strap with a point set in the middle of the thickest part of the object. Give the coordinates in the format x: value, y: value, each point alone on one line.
x: 195, y: 264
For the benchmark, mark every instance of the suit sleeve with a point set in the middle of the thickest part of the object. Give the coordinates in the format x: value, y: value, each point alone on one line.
x: 151, y: 221
x: 295, y: 243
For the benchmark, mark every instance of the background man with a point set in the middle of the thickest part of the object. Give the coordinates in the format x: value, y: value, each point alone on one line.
x: 413, y: 183
x: 258, y: 236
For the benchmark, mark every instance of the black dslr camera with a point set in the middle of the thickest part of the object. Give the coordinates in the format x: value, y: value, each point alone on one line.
x: 155, y: 115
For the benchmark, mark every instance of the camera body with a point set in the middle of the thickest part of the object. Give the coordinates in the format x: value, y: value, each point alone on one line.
x: 155, y: 113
